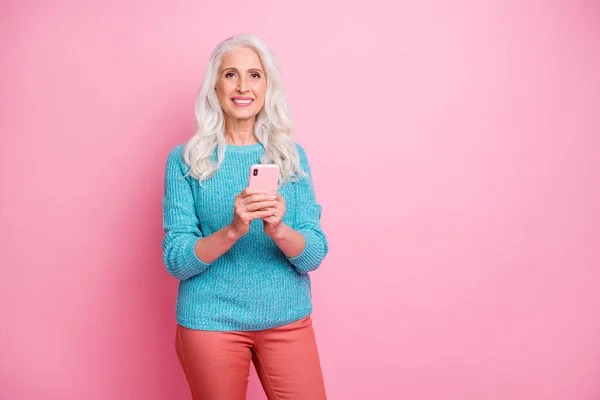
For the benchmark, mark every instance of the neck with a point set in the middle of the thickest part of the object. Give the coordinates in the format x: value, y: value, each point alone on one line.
x: 240, y: 132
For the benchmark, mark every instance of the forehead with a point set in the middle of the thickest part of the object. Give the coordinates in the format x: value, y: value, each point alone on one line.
x: 241, y: 58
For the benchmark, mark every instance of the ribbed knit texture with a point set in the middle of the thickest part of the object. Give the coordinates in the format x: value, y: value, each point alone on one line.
x: 254, y: 285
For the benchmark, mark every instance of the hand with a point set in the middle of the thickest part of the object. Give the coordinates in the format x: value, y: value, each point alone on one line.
x: 272, y: 223
x: 249, y: 205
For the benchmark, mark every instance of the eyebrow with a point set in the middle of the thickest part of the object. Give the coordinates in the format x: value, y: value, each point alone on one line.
x: 235, y: 69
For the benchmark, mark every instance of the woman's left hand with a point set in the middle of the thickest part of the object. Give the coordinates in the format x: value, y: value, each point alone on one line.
x: 273, y: 224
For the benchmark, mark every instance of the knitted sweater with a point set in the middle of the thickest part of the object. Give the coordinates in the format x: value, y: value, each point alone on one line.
x: 254, y: 285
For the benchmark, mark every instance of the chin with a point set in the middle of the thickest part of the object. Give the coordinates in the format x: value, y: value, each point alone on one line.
x: 244, y: 115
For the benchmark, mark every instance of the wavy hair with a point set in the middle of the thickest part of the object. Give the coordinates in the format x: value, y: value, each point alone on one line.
x: 273, y: 127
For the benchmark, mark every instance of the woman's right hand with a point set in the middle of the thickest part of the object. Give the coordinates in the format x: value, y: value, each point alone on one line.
x: 249, y: 205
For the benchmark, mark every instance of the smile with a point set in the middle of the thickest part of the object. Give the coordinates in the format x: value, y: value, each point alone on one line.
x: 242, y: 102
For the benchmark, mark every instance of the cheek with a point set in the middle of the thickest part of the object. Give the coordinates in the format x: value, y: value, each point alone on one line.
x: 223, y: 90
x: 223, y: 100
x: 260, y: 90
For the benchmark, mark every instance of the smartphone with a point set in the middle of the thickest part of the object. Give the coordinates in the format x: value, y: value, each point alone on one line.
x: 264, y: 177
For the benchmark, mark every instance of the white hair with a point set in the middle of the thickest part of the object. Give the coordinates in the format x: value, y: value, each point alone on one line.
x: 273, y: 126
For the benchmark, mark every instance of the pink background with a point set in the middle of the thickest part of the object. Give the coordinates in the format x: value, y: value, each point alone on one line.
x: 455, y: 151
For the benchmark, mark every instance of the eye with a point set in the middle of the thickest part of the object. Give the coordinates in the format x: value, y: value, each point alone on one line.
x: 255, y: 75
x: 229, y: 75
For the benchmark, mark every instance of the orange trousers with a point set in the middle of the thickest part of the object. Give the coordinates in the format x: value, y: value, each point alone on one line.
x: 217, y: 364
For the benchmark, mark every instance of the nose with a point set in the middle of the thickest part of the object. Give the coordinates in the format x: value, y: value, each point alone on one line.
x: 242, y: 85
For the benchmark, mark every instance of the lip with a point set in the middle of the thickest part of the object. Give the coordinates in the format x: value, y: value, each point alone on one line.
x: 247, y: 101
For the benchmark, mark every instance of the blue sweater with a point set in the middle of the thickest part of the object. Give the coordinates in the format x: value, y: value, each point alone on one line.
x: 254, y: 285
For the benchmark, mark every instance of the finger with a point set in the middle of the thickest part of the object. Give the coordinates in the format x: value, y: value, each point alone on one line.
x: 258, y: 215
x: 274, y: 217
x: 261, y: 205
x: 250, y: 191
x: 263, y: 213
x: 258, y: 198
x: 271, y: 220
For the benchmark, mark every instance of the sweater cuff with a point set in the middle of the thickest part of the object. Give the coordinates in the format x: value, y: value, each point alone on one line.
x: 192, y: 265
x: 312, y: 254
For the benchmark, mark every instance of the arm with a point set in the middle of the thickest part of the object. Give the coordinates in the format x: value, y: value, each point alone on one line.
x: 290, y: 241
x: 305, y: 245
x: 186, y: 252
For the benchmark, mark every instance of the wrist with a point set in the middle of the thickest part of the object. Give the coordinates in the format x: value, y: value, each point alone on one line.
x: 232, y: 233
x: 276, y: 232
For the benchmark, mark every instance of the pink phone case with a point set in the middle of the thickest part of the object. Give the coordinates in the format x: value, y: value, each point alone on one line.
x: 264, y: 177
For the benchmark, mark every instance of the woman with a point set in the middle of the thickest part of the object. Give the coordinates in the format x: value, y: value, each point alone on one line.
x: 243, y: 256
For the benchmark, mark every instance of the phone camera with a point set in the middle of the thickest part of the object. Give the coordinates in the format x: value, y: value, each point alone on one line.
x: 255, y: 172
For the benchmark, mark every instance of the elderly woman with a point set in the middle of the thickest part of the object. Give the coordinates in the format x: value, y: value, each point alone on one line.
x: 242, y: 256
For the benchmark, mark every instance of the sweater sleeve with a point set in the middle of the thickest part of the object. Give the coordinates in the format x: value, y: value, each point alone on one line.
x: 308, y: 216
x: 180, y: 223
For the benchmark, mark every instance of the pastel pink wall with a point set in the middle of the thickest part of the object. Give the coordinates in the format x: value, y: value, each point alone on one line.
x: 455, y: 151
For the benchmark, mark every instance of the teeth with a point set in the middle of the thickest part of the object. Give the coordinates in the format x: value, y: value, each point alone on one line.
x: 242, y: 101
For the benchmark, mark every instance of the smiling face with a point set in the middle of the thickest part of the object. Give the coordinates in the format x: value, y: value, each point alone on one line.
x: 241, y: 84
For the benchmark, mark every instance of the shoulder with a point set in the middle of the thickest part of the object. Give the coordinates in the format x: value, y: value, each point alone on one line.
x: 176, y: 153
x: 301, y: 152
x: 303, y: 159
x: 175, y: 158
x: 299, y: 148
